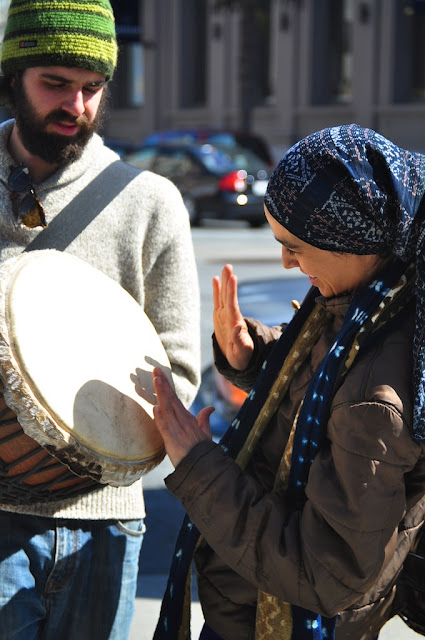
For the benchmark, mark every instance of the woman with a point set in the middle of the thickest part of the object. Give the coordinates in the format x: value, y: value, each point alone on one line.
x: 305, y: 534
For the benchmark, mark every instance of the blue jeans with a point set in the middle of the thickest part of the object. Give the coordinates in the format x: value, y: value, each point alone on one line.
x: 70, y: 579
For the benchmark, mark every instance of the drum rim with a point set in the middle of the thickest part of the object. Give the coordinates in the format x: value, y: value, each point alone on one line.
x: 48, y: 433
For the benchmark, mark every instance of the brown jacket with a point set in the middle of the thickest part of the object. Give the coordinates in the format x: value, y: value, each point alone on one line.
x: 343, y: 552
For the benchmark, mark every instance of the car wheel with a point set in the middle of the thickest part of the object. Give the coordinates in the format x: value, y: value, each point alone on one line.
x: 192, y: 209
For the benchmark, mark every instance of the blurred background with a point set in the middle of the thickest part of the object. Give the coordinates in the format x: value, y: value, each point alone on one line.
x: 211, y: 93
x: 277, y: 68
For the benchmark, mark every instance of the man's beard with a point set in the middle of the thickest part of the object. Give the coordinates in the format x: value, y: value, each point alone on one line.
x: 53, y: 147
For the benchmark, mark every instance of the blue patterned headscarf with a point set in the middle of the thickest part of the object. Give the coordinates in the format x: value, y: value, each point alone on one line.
x: 349, y: 189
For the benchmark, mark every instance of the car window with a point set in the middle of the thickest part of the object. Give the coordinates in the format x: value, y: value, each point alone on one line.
x: 244, y: 158
x: 221, y: 138
x: 174, y: 163
x: 221, y: 160
x: 216, y: 160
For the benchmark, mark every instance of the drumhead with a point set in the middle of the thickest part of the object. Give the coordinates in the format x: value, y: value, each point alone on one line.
x: 76, y: 359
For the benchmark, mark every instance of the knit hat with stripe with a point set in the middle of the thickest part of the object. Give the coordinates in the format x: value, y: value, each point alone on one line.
x: 79, y: 34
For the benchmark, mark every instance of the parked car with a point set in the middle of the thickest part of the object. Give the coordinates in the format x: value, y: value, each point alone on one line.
x: 222, y: 137
x: 216, y: 182
x: 267, y: 300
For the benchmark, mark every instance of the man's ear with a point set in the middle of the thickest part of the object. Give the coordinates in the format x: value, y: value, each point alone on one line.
x: 15, y: 77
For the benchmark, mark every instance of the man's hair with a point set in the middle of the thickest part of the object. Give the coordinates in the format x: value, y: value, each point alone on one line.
x: 66, y: 34
x: 7, y: 96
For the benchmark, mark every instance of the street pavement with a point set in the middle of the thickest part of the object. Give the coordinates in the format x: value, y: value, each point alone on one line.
x: 254, y: 254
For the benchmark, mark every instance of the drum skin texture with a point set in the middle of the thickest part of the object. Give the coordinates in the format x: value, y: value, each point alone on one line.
x: 76, y: 360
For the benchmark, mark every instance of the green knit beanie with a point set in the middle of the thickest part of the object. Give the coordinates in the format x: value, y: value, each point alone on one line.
x: 43, y: 33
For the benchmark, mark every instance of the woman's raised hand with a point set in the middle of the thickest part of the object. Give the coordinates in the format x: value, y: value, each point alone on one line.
x: 231, y: 330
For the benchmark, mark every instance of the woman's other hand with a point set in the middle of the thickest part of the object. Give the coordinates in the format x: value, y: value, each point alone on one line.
x: 231, y: 330
x: 180, y: 430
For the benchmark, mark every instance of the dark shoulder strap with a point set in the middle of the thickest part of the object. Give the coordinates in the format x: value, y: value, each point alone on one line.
x: 78, y: 214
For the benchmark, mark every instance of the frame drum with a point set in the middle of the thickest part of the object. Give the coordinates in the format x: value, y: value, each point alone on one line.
x: 76, y: 360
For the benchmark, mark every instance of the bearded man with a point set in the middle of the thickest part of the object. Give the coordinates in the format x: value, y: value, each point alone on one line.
x: 68, y: 567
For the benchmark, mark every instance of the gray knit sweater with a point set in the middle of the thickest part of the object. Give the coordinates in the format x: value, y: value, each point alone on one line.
x: 142, y: 240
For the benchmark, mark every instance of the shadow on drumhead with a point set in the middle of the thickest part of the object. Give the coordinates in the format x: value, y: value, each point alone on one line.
x: 152, y: 363
x: 143, y: 381
x: 115, y: 423
x: 143, y: 386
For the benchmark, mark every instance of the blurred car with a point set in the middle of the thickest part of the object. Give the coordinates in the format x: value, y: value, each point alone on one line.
x: 222, y: 137
x: 226, y: 183
x: 267, y: 300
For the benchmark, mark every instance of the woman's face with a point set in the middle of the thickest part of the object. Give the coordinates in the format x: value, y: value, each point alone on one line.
x: 332, y: 273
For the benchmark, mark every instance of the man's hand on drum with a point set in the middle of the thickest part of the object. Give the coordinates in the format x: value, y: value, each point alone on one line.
x: 180, y: 430
x: 231, y: 330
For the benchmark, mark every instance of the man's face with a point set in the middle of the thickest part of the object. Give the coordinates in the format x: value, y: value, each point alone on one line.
x: 57, y: 110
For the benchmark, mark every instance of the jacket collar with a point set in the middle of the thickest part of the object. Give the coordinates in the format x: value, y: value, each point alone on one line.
x: 337, y: 305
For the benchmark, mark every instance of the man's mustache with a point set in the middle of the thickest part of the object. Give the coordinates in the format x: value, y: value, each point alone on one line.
x: 63, y: 116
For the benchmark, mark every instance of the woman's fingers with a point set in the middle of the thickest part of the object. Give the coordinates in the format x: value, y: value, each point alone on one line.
x: 216, y: 284
x: 203, y: 420
x: 226, y: 273
x: 180, y: 430
x: 232, y: 297
x: 225, y: 293
x: 231, y: 330
x: 168, y: 401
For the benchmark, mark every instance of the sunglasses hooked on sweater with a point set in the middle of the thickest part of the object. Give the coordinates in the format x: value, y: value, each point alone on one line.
x: 29, y: 209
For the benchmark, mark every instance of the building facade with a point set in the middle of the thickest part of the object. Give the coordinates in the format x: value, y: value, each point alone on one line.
x: 309, y: 64
x: 283, y: 68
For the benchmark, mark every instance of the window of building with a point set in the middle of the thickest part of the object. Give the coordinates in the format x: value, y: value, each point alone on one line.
x: 409, y: 59
x: 193, y: 48
x: 127, y: 86
x: 332, y: 51
x: 4, y: 7
x: 255, y: 52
